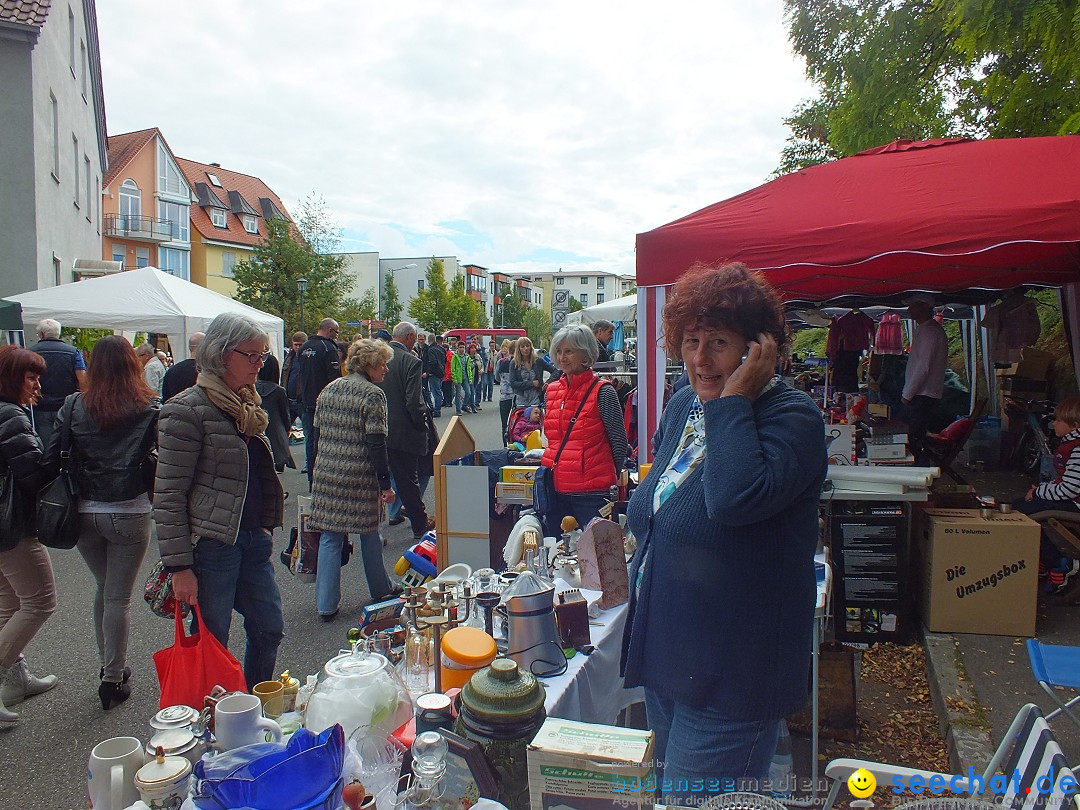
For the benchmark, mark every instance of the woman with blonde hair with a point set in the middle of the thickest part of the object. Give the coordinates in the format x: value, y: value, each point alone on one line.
x: 527, y: 374
x: 502, y: 374
x: 351, y: 479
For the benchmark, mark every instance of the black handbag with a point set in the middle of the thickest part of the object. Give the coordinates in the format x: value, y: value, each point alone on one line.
x: 10, y: 530
x: 58, y: 503
x: 544, y: 493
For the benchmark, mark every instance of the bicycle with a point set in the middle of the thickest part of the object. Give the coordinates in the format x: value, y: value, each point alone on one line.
x: 1033, y: 452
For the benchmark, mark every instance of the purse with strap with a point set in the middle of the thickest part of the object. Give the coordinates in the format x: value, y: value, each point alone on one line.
x: 58, y: 503
x: 544, y: 479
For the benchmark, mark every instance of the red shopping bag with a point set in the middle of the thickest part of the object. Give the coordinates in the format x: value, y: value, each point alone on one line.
x: 189, y: 669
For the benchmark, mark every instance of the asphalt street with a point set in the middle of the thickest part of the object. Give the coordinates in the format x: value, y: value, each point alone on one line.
x: 45, y: 754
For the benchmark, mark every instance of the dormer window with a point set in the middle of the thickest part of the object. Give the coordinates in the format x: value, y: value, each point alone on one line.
x: 217, y: 216
x: 213, y: 179
x: 251, y: 224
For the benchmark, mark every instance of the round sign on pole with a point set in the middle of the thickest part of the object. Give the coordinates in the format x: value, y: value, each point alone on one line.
x: 558, y: 318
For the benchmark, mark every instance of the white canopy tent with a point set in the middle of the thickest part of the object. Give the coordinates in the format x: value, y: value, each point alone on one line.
x: 142, y: 300
x: 618, y: 309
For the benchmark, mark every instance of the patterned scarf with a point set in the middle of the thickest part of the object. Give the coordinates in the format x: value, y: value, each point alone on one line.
x: 242, y: 405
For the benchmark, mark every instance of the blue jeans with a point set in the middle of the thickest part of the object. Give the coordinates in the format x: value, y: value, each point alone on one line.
x: 699, y: 753
x: 489, y: 385
x: 466, y: 394
x: 477, y: 393
x: 435, y: 388
x: 395, y: 507
x: 311, y: 439
x: 328, y: 575
x: 240, y: 577
x: 459, y: 396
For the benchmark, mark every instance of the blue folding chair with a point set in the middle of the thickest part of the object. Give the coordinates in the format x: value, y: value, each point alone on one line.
x: 1055, y: 665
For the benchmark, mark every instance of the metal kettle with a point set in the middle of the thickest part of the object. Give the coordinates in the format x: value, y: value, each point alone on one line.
x: 531, y: 634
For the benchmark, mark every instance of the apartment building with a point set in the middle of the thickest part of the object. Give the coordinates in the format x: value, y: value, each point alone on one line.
x: 588, y: 287
x: 52, y: 127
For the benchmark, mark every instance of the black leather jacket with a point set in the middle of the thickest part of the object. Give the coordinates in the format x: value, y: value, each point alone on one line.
x: 20, y: 450
x: 108, y: 463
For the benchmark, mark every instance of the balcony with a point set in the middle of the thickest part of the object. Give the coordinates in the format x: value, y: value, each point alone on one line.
x: 143, y: 229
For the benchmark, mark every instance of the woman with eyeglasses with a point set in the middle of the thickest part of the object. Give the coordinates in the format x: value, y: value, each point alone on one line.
x: 217, y: 498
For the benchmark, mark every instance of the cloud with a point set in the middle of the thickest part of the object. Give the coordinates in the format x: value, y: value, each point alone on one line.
x: 502, y: 133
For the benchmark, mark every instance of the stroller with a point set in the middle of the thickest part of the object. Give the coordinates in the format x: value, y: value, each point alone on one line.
x: 516, y: 428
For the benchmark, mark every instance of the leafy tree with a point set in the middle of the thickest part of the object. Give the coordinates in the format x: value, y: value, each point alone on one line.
x: 429, y: 307
x: 574, y: 305
x: 462, y: 311
x: 889, y: 69
x: 363, y: 311
x: 268, y: 280
x: 391, y: 302
x: 537, y: 326
x: 316, y: 225
x: 513, y: 310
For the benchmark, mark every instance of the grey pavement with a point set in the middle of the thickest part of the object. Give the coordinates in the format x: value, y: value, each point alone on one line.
x: 43, y: 757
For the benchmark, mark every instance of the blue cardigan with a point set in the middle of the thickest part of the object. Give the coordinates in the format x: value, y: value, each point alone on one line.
x: 725, y: 612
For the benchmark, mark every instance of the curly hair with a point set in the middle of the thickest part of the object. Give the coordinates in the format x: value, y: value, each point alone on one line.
x: 366, y: 353
x: 729, y: 296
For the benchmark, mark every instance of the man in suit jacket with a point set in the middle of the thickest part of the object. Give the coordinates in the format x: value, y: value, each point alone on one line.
x: 406, y: 439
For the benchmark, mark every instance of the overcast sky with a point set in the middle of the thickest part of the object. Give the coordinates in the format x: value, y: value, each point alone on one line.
x: 520, y: 135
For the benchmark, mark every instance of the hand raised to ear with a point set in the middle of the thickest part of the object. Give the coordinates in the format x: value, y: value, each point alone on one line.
x: 755, y: 372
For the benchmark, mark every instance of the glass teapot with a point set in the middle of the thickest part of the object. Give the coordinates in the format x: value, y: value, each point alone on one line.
x: 358, y: 689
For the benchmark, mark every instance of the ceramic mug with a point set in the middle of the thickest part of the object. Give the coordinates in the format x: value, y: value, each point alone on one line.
x: 272, y: 695
x: 239, y: 721
x: 110, y: 776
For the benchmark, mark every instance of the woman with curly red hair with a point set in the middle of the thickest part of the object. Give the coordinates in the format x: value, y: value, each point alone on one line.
x: 729, y: 510
x: 27, y: 587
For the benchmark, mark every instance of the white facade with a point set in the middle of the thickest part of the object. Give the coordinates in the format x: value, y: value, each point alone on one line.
x: 52, y: 127
x: 363, y: 270
x: 410, y: 275
x: 589, y: 288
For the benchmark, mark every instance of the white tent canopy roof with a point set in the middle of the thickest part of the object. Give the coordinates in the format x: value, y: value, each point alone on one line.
x: 618, y: 309
x: 142, y: 300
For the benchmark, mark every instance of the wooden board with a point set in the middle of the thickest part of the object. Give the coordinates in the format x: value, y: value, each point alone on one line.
x: 456, y: 441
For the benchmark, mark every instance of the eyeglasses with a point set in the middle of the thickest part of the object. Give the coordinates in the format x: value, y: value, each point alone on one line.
x: 254, y: 357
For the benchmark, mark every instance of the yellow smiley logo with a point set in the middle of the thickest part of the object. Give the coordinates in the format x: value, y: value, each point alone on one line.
x: 861, y: 783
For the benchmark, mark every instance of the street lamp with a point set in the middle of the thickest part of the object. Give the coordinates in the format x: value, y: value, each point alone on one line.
x: 391, y: 270
x: 301, y: 283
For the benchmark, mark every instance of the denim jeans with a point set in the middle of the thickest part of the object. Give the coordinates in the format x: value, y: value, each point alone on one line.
x: 328, y: 575
x: 240, y: 577
x: 699, y: 753
x: 459, y: 397
x: 395, y: 508
x: 477, y: 393
x: 435, y: 388
x: 488, y: 385
x: 466, y: 395
x: 311, y: 439
x: 113, y: 547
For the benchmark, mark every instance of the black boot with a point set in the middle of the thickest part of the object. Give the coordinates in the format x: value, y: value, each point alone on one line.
x: 113, y: 694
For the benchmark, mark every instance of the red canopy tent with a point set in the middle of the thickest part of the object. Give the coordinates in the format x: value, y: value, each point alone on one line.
x: 951, y: 216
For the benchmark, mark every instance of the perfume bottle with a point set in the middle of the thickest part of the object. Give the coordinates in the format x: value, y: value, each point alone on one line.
x: 427, y: 787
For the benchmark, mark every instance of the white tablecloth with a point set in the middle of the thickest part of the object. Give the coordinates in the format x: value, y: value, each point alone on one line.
x: 591, y: 690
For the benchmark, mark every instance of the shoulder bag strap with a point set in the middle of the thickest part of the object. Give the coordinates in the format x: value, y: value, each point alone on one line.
x: 66, y: 466
x: 570, y: 427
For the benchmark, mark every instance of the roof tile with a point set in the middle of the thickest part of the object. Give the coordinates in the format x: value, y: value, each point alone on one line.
x: 122, y: 148
x: 25, y: 12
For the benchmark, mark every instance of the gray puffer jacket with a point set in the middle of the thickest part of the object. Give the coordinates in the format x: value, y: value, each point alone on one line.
x: 202, y: 478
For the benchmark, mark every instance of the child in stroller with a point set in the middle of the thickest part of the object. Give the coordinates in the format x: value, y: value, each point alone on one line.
x: 522, y: 422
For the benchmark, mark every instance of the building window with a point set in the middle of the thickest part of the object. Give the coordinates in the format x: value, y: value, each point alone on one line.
x: 142, y: 256
x: 584, y: 280
x: 419, y: 285
x: 228, y: 263
x: 118, y: 253
x: 251, y: 224
x: 599, y: 282
x: 599, y: 298
x: 170, y: 181
x: 55, y: 137
x: 75, y: 167
x: 57, y: 270
x: 85, y: 70
x: 71, y: 41
x: 89, y: 188
x: 560, y: 281
x: 176, y: 262
x: 584, y: 299
x: 177, y: 217
x: 217, y: 218
x: 213, y: 179
x: 130, y: 206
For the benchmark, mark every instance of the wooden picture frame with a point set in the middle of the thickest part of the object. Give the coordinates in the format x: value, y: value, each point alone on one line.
x: 469, y: 775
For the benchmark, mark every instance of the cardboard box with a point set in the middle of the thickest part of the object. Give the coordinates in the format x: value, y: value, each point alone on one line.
x: 978, y: 575
x: 513, y: 489
x: 581, y: 765
x: 878, y: 409
x: 519, y: 475
x: 876, y: 452
x: 840, y: 444
x: 1034, y: 364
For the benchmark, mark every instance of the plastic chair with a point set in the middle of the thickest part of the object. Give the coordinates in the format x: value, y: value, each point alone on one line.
x: 1056, y: 665
x: 1028, y: 748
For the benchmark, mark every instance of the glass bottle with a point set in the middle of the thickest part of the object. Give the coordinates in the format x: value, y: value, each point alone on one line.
x: 417, y: 667
x: 426, y: 790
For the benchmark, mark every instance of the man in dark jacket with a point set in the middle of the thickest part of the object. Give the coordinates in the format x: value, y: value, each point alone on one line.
x: 406, y: 438
x: 290, y: 375
x: 434, y: 368
x: 182, y: 375
x: 604, y: 332
x: 65, y: 373
x: 320, y: 362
